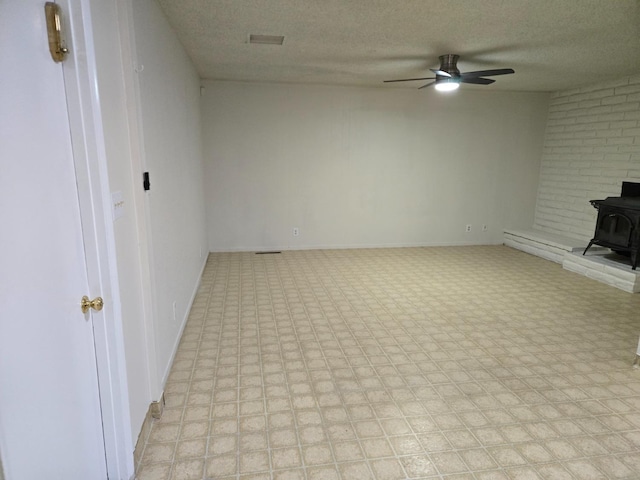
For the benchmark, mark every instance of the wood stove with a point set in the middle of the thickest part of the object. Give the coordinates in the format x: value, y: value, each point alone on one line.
x: 618, y: 224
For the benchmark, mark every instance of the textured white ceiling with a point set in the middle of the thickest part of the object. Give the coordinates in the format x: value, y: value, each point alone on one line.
x: 551, y: 44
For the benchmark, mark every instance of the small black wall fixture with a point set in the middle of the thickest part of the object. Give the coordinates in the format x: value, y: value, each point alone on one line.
x: 145, y: 181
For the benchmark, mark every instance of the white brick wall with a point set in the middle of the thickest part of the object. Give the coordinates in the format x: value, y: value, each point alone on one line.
x: 592, y: 144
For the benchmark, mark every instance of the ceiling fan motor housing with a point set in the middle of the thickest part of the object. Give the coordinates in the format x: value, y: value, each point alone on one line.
x: 448, y: 63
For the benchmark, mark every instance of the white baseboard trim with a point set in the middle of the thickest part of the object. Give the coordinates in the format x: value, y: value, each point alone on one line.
x: 351, y: 246
x: 183, y: 324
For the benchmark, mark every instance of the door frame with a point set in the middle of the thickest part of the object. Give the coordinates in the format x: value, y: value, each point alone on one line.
x: 132, y: 68
x: 90, y: 160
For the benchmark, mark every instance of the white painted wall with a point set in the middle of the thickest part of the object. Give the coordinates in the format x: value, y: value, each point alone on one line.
x: 169, y: 89
x: 358, y: 167
x: 591, y: 145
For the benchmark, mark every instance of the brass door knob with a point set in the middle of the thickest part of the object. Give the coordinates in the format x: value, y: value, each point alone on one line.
x: 97, y: 304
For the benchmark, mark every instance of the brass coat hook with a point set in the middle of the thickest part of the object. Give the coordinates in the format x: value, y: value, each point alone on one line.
x: 54, y: 30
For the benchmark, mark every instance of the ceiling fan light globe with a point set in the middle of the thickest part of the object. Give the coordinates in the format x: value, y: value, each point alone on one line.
x: 447, y: 86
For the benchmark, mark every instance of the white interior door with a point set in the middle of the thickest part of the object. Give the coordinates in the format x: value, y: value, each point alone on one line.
x: 50, y: 419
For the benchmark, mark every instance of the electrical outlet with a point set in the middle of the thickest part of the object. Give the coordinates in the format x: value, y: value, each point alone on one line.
x: 296, y: 231
x: 485, y: 228
x: 468, y: 228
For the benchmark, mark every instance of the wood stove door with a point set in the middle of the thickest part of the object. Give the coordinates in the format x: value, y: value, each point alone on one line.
x: 614, y: 229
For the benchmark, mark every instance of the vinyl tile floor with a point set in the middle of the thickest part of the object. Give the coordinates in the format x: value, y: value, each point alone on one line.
x: 465, y: 363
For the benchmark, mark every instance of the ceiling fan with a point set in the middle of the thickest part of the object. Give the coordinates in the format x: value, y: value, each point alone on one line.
x: 448, y: 77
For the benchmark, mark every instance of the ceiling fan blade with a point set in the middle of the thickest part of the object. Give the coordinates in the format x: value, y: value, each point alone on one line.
x: 428, y: 84
x: 408, y: 79
x: 477, y: 80
x: 488, y: 73
x: 442, y: 73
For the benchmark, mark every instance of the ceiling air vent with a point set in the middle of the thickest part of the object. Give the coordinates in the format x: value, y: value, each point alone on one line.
x: 267, y: 39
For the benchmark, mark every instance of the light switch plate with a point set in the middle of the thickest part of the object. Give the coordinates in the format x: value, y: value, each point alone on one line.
x: 117, y: 204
